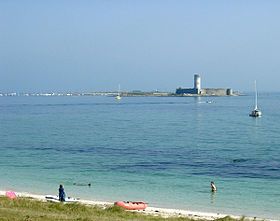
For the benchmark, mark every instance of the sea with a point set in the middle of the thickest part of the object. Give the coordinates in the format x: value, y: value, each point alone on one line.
x: 161, y: 150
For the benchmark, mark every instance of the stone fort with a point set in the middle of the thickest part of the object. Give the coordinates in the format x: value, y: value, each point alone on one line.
x: 197, y: 90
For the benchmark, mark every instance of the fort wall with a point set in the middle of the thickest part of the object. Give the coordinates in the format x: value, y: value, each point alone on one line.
x: 205, y: 91
x: 197, y: 90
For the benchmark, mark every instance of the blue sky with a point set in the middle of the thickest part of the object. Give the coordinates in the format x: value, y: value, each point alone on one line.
x: 140, y: 44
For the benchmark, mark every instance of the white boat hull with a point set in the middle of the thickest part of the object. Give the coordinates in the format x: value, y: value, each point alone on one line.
x: 56, y: 199
x: 256, y: 113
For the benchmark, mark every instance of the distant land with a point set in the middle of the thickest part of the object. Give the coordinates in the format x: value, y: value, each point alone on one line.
x: 196, y: 91
x: 123, y: 94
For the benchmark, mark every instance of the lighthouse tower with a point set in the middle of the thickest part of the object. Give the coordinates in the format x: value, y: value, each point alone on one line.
x: 197, y: 84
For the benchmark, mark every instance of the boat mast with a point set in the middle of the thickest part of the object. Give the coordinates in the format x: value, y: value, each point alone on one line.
x: 256, y: 96
x: 119, y: 91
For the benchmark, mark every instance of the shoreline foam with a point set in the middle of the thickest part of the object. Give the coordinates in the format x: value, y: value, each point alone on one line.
x: 164, y: 212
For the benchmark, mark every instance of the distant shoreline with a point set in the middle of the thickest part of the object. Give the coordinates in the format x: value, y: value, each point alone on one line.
x: 122, y: 94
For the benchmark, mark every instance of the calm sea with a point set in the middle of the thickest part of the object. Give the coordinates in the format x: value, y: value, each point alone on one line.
x: 163, y: 150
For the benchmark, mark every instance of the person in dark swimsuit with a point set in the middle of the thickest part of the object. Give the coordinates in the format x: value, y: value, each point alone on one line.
x: 213, y: 187
x: 81, y: 184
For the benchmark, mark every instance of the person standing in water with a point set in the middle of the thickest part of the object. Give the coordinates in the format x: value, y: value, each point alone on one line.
x: 61, y: 193
x: 213, y: 187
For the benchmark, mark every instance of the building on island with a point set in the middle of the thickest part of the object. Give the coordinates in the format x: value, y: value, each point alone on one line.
x: 197, y: 90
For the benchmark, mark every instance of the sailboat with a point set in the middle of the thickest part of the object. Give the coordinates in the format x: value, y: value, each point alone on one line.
x: 118, y: 97
x: 256, y: 112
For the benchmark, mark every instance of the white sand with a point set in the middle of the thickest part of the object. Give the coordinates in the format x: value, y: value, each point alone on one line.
x: 149, y: 210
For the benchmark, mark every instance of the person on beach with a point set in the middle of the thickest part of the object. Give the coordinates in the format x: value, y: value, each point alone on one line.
x: 213, y: 187
x: 61, y: 193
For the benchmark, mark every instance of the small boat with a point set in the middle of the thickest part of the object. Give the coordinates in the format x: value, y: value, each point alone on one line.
x: 256, y: 112
x: 56, y: 199
x: 131, y: 205
x: 118, y: 97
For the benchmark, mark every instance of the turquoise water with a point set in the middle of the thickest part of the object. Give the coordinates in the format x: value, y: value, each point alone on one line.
x: 163, y: 150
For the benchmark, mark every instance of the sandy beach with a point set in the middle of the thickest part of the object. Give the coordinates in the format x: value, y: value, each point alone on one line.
x: 164, y: 212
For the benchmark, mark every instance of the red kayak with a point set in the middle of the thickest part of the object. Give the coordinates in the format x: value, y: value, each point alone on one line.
x: 132, y: 205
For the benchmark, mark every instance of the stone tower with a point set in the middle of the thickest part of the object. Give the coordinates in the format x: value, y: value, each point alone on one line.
x: 197, y: 84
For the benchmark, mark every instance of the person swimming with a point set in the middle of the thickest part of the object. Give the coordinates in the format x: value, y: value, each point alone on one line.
x: 213, y: 187
x: 80, y: 184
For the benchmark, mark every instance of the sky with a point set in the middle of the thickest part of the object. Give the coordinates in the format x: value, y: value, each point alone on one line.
x: 95, y: 45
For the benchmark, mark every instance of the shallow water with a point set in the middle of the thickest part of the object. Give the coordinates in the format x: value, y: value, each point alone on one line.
x: 163, y: 150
